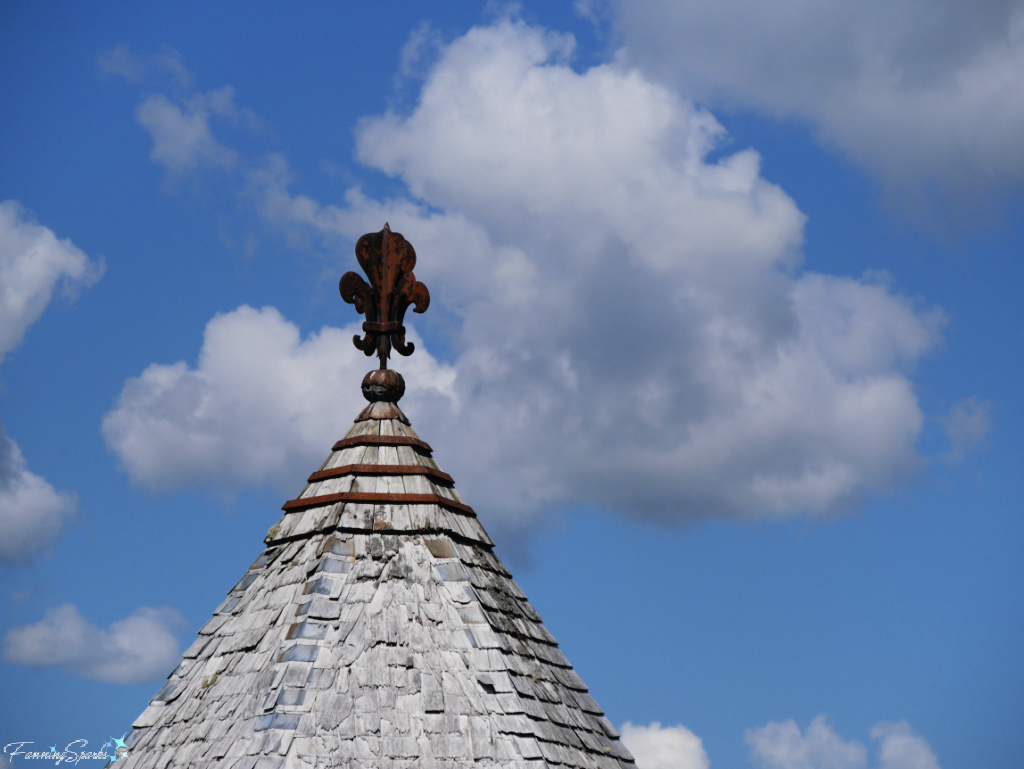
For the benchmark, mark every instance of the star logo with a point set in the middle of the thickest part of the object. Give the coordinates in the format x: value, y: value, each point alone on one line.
x: 117, y: 744
x: 53, y: 748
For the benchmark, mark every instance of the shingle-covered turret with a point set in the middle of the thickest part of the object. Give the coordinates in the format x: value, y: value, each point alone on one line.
x: 376, y: 629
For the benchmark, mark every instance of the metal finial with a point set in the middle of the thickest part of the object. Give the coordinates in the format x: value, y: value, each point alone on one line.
x: 387, y: 259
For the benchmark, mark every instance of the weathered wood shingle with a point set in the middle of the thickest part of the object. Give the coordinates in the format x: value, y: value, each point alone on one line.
x: 378, y: 633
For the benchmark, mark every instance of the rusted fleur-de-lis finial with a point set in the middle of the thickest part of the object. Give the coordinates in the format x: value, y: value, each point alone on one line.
x: 387, y: 259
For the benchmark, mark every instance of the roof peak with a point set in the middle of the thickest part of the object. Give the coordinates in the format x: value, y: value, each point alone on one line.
x: 378, y: 628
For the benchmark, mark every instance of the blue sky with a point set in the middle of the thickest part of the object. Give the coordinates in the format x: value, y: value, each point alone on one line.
x: 725, y: 344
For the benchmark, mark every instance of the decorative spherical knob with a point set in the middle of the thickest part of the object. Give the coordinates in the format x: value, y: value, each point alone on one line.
x: 383, y: 384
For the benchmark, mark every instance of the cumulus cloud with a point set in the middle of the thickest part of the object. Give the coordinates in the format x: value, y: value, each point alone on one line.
x: 916, y: 92
x: 632, y: 328
x: 966, y: 425
x: 261, y: 405
x: 508, y: 134
x: 782, y: 745
x: 899, y: 747
x: 181, y: 134
x: 137, y: 649
x: 664, y: 747
x: 32, y: 512
x: 181, y: 124
x: 33, y: 263
x: 632, y: 325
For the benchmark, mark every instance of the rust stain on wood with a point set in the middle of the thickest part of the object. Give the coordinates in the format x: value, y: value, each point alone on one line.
x: 378, y: 497
x: 382, y: 440
x: 335, y: 472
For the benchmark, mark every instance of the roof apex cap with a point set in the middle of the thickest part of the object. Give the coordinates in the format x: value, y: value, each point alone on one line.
x: 383, y: 384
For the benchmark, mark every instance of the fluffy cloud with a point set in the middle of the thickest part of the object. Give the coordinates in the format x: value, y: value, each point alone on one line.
x: 781, y: 745
x: 632, y: 327
x: 261, y: 406
x: 32, y: 512
x: 668, y: 747
x: 138, y: 649
x: 180, y: 126
x: 632, y: 330
x: 33, y: 263
x: 182, y: 139
x: 914, y: 91
x: 510, y: 136
x: 899, y: 747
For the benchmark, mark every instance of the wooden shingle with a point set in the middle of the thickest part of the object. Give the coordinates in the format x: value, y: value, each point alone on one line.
x: 375, y: 632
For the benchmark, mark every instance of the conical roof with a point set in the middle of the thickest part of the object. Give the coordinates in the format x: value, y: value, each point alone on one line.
x: 377, y: 629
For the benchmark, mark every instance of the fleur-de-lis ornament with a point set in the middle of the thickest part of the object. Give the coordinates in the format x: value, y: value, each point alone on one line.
x: 387, y: 259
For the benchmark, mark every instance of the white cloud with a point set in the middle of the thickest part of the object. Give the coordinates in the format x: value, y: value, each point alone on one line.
x: 120, y: 61
x: 966, y: 425
x: 668, y: 747
x: 137, y: 649
x: 421, y: 49
x: 508, y: 135
x: 181, y: 134
x: 914, y: 91
x: 632, y: 329
x: 631, y: 325
x: 900, y: 748
x: 33, y: 263
x: 32, y: 512
x: 261, y: 406
x: 179, y: 124
x: 781, y: 745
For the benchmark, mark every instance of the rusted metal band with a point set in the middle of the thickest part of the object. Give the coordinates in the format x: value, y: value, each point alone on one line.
x: 378, y: 497
x: 382, y: 328
x: 382, y: 440
x: 334, y: 472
